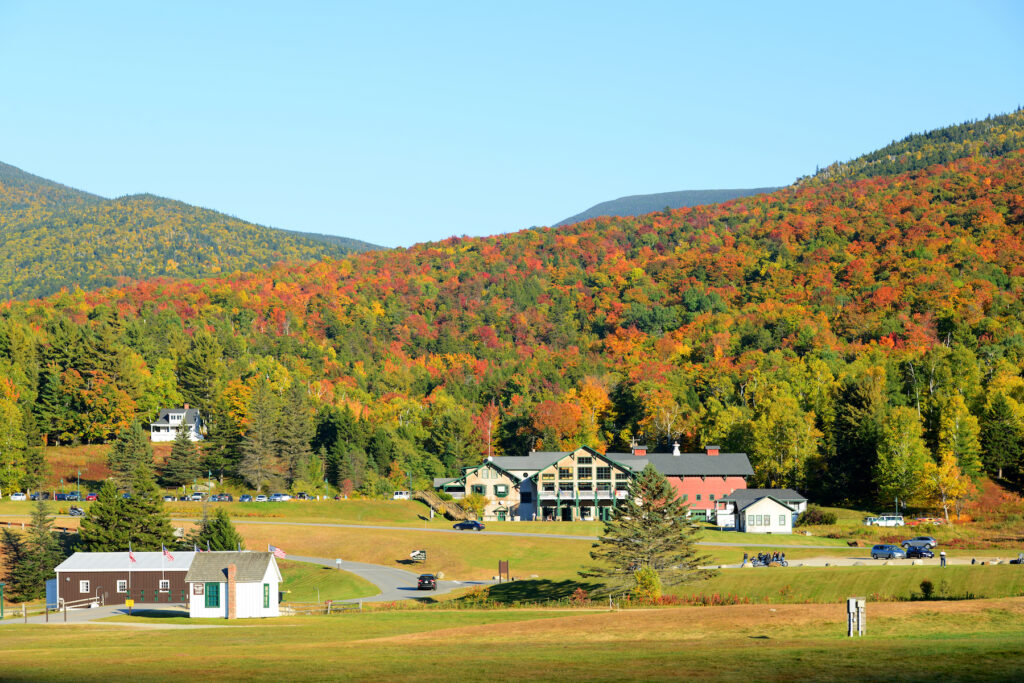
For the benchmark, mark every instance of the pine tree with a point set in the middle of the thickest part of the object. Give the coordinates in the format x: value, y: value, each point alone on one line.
x: 12, y: 554
x: 201, y: 371
x: 1001, y: 436
x: 217, y: 533
x: 649, y: 529
x: 148, y: 524
x: 295, y: 431
x: 105, y: 527
x: 31, y: 559
x: 258, y: 445
x: 182, y: 465
x: 130, y: 451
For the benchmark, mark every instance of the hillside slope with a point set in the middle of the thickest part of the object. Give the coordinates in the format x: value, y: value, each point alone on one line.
x: 53, y: 236
x: 639, y: 204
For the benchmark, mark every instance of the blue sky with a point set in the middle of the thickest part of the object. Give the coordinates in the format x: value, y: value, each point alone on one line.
x: 397, y: 123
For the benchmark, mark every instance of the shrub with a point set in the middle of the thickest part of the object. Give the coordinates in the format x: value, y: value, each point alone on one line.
x: 815, y: 515
x: 927, y: 589
x: 444, y: 495
x: 648, y: 585
x: 580, y: 597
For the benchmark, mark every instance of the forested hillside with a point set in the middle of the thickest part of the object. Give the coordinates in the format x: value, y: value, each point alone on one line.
x: 861, y: 340
x: 52, y: 236
x: 993, y: 136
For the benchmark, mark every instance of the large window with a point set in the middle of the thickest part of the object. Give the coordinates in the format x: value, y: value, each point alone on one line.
x: 479, y: 488
x: 584, y: 472
x: 122, y: 586
x: 604, y: 473
x: 165, y: 585
x: 266, y: 596
x: 584, y: 460
x: 547, y: 476
x: 213, y: 595
x: 565, y: 473
x: 501, y: 490
x: 565, y: 486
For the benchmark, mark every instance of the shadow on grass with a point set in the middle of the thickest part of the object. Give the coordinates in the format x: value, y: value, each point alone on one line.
x: 537, y: 590
x: 157, y: 613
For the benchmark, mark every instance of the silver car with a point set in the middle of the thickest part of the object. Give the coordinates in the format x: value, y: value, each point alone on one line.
x: 887, y: 552
x: 920, y: 542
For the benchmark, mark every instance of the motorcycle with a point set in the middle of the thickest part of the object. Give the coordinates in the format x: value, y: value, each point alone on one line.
x: 76, y: 511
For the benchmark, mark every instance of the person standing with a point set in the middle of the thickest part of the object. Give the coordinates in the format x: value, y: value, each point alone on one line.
x: 942, y: 558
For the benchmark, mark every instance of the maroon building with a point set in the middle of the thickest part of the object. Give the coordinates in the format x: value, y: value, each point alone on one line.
x: 152, y: 578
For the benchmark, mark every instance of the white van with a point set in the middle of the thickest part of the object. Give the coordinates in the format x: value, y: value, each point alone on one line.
x: 889, y: 520
x: 402, y: 495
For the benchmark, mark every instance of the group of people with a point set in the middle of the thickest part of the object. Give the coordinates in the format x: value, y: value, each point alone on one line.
x: 765, y: 559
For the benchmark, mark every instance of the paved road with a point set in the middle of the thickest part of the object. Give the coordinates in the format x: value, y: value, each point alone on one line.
x: 394, y: 584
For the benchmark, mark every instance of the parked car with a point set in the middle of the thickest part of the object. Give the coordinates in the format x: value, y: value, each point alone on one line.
x: 76, y: 511
x: 168, y: 499
x: 227, y: 498
x: 183, y: 499
x: 889, y: 520
x: 426, y: 582
x: 920, y: 542
x: 919, y: 551
x: 261, y: 498
x: 468, y: 525
x: 887, y: 552
x: 870, y: 521
x: 19, y: 496
x: 91, y: 496
x: 60, y: 496
x: 40, y: 495
x: 280, y: 498
x: 401, y: 495
x: 196, y: 496
x: 301, y: 495
x: 74, y: 495
x: 245, y: 498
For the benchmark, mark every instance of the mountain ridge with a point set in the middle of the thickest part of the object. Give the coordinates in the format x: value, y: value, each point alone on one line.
x: 639, y: 204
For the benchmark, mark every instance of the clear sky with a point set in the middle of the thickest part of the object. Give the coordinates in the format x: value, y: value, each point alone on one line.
x: 397, y: 123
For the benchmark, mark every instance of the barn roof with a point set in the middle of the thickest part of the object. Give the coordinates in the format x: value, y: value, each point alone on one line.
x: 117, y: 562
x: 252, y: 566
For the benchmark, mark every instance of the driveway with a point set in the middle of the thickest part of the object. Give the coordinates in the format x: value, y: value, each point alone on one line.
x: 394, y: 584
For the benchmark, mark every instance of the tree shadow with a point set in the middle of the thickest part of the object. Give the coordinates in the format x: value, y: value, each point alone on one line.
x: 537, y: 590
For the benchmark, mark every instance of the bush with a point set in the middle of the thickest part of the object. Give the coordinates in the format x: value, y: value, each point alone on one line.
x: 444, y: 495
x: 648, y: 585
x: 927, y: 589
x: 815, y: 515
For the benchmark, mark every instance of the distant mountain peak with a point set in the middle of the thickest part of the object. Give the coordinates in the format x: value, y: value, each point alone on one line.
x: 640, y: 204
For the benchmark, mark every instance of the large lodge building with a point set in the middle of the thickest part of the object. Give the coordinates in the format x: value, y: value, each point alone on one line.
x: 585, y: 485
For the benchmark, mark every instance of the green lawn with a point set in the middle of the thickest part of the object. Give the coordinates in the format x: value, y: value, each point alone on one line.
x: 945, y: 640
x: 305, y: 582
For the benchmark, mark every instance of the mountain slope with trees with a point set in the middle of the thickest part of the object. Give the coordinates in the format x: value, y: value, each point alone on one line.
x: 861, y: 340
x: 52, y: 236
x: 639, y: 204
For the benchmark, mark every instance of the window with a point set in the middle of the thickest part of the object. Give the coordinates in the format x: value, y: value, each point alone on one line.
x: 711, y: 497
x: 548, y: 476
x: 549, y: 487
x: 501, y: 490
x: 584, y: 472
x: 565, y: 486
x: 621, y: 486
x: 604, y: 473
x: 698, y: 497
x: 565, y: 473
x: 782, y: 520
x: 165, y: 586
x: 122, y: 586
x: 621, y: 475
x: 526, y: 497
x: 480, y: 489
x: 266, y: 596
x: 584, y: 460
x: 83, y: 586
x: 586, y: 486
x: 685, y: 496
x: 604, y: 486
x: 213, y: 595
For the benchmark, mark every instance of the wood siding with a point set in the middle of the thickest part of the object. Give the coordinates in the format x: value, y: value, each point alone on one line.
x: 145, y: 585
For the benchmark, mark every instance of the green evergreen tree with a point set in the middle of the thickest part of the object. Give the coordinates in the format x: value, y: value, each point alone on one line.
x: 31, y: 560
x: 1002, y: 436
x: 183, y: 464
x: 36, y: 469
x: 105, y: 528
x: 295, y: 431
x: 131, y: 450
x: 650, y: 529
x: 12, y: 557
x: 148, y: 524
x: 259, y: 444
x: 216, y: 533
x: 201, y: 371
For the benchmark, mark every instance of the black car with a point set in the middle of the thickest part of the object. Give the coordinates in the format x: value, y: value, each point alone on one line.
x: 918, y: 551
x: 60, y: 496
x: 427, y: 582
x: 227, y: 498
x: 469, y: 525
x: 40, y: 496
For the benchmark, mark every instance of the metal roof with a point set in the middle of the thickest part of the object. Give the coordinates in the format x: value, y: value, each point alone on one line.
x: 688, y: 464
x: 746, y: 497
x: 191, y: 416
x: 116, y: 562
x: 252, y: 566
x: 535, y: 461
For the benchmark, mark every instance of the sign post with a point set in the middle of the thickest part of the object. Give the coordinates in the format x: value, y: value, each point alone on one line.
x: 856, y: 617
x: 129, y: 603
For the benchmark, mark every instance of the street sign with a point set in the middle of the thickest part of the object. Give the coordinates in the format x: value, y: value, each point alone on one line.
x: 129, y: 603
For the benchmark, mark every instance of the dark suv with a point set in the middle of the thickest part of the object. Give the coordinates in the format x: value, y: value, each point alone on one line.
x: 427, y: 582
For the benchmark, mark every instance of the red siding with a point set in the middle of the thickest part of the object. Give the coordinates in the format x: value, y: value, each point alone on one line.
x: 705, y: 487
x: 145, y: 585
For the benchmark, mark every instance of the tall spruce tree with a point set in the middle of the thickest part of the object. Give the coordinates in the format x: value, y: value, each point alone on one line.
x: 216, y: 533
x: 259, y: 444
x: 149, y: 526
x: 105, y: 527
x: 131, y: 450
x: 30, y: 560
x: 183, y: 464
x: 295, y: 431
x: 12, y: 555
x: 1002, y: 436
x: 649, y: 530
x: 201, y: 371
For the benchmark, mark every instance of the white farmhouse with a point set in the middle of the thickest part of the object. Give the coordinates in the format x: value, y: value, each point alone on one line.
x: 765, y: 511
x: 233, y: 585
x: 172, y: 419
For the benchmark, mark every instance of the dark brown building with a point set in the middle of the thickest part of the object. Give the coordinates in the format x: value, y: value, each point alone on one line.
x: 152, y: 578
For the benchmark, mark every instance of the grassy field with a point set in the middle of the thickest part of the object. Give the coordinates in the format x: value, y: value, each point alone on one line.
x: 944, y: 640
x: 314, y: 583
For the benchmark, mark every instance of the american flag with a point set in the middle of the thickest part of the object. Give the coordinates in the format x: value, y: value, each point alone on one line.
x: 167, y: 553
x: 278, y: 553
x: 131, y: 555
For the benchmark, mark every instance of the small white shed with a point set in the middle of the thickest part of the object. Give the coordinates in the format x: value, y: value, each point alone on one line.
x: 766, y: 515
x: 233, y: 585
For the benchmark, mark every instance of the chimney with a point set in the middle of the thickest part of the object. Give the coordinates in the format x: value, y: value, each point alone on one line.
x: 232, y: 593
x: 637, y: 450
x: 675, y: 448
x: 712, y: 450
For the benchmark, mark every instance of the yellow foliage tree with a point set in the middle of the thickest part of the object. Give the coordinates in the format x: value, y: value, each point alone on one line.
x: 946, y: 485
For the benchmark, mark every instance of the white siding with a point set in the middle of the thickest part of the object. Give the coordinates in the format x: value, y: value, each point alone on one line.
x: 774, y: 517
x: 249, y: 601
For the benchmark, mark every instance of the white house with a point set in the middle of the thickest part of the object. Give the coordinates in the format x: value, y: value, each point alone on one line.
x: 172, y: 419
x: 766, y: 511
x: 233, y: 585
